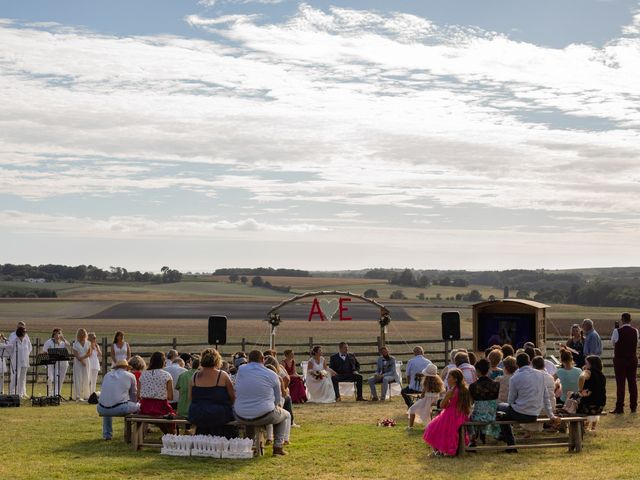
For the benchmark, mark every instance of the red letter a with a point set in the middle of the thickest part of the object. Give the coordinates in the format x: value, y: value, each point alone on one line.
x: 316, y: 310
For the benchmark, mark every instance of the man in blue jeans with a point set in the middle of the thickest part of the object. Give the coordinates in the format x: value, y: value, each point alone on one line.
x: 118, y: 396
x: 527, y: 398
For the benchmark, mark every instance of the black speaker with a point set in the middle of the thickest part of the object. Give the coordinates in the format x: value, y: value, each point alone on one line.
x: 217, y: 330
x: 450, y: 325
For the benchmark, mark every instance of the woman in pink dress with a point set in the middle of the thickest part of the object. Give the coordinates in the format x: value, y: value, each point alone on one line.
x: 442, y: 431
x: 297, y: 390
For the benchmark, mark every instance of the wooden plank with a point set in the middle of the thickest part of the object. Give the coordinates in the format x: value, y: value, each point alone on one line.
x: 517, y: 446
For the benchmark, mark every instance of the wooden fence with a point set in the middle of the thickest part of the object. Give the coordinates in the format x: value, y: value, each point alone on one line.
x: 436, y: 350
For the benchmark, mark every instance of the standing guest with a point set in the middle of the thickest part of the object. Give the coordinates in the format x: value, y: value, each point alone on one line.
x: 415, y: 367
x: 258, y: 394
x: 12, y: 335
x: 568, y: 374
x: 81, y: 374
x: 442, y: 431
x: 592, y: 341
x: 509, y: 367
x: 297, y: 388
x: 120, y: 349
x: 319, y: 378
x: 212, y: 396
x: 495, y: 359
x: 3, y: 363
x: 345, y: 367
x: 593, y: 390
x: 184, y: 381
x: 156, y: 391
x: 175, y: 370
x: 528, y: 395
x: 94, y: 361
x: 118, y: 396
x: 576, y: 344
x: 432, y: 390
x: 625, y: 363
x: 57, y: 340
x: 386, y: 373
x: 19, y: 361
x: 484, y: 393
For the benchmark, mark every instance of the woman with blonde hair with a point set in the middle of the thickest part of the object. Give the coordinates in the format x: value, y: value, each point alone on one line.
x: 211, y: 395
x: 81, y: 374
x: 94, y: 361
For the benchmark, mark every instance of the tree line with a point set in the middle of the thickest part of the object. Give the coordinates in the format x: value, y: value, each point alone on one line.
x: 263, y: 272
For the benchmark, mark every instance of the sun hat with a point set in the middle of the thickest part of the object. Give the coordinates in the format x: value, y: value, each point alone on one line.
x: 431, y: 370
x: 121, y: 364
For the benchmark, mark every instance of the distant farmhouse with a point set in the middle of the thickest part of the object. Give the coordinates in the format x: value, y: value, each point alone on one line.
x: 35, y: 280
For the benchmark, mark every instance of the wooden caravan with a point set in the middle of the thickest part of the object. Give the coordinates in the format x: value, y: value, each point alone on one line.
x: 510, y: 320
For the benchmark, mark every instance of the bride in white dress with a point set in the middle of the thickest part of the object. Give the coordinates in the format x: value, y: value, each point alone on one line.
x: 318, y: 378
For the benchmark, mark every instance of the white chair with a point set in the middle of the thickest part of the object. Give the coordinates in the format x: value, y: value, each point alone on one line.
x: 395, y: 388
x: 305, y: 369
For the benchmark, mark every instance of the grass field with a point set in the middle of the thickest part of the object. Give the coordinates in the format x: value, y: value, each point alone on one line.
x: 337, y: 441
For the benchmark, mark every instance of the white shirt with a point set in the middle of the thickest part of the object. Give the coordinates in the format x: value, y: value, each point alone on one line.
x: 175, y: 371
x: 21, y: 348
x: 416, y: 365
x: 120, y: 353
x: 51, y: 343
x: 118, y: 386
x: 528, y: 393
x: 615, y: 336
x: 94, y: 360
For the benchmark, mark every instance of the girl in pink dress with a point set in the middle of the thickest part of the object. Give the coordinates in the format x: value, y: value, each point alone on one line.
x: 442, y: 431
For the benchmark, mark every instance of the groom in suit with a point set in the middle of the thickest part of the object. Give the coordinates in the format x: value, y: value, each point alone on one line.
x: 346, y: 366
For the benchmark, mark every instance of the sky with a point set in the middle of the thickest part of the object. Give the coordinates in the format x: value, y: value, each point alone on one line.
x: 324, y: 135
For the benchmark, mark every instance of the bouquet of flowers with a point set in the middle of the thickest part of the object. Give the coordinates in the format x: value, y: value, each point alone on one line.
x: 318, y: 374
x: 387, y: 422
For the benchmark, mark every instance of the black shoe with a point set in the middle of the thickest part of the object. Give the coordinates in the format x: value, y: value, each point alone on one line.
x: 512, y: 450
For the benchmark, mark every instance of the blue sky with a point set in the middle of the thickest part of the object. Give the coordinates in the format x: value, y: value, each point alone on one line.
x: 320, y: 135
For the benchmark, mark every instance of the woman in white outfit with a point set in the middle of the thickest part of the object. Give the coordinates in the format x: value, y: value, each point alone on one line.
x: 319, y: 383
x: 20, y: 362
x: 94, y: 361
x: 57, y: 340
x: 81, y: 355
x: 119, y: 349
x: 3, y: 363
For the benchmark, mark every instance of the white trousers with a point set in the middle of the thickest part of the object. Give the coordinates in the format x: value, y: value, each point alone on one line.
x: 54, y: 384
x: 21, y: 381
x: 93, y: 379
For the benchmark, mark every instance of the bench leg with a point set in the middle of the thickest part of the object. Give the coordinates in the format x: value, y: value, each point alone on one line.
x: 575, y: 437
x: 127, y: 431
x: 135, y: 436
x: 461, y: 445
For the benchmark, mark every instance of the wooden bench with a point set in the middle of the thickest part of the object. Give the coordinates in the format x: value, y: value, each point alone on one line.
x: 573, y: 440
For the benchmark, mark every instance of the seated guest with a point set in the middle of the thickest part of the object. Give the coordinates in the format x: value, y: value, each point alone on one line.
x: 156, y: 391
x: 593, y: 390
x: 549, y: 366
x: 549, y: 382
x: 484, y: 393
x: 118, y: 396
x: 462, y: 363
x: 415, y: 367
x: 344, y: 368
x: 507, y: 351
x: 186, y: 358
x: 495, y: 359
x: 386, y: 373
x: 451, y: 365
x: 442, y: 431
x: 137, y: 366
x: 528, y: 395
x: 567, y: 374
x: 432, y: 390
x: 285, y: 380
x: 175, y: 368
x: 287, y: 429
x: 212, y: 396
x: 297, y: 388
x: 258, y: 394
x: 472, y: 358
x: 184, y: 381
x: 509, y: 367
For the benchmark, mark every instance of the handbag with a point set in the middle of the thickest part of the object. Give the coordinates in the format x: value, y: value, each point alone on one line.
x: 571, y: 403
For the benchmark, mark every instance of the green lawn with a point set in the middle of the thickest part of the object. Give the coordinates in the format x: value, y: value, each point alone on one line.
x: 335, y: 441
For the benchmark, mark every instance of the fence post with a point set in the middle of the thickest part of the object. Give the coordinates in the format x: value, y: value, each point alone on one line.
x: 104, y: 356
x: 379, y: 340
x: 310, y: 344
x: 446, y: 353
x: 244, y: 344
x: 174, y: 343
